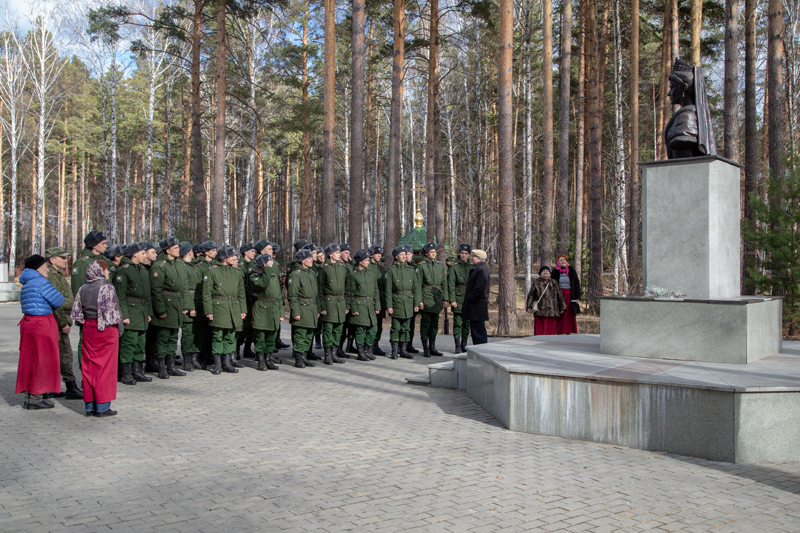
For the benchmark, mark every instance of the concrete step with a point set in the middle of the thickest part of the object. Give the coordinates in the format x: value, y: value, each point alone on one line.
x: 423, y: 380
x: 443, y: 375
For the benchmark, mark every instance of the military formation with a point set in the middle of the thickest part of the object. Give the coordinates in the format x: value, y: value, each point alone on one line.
x: 224, y: 304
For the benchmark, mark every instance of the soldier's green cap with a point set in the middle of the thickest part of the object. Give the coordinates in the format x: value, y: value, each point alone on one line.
x: 55, y: 251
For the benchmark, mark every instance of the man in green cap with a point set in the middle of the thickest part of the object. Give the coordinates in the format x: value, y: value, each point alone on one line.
x: 190, y: 350
x: 432, y: 278
x: 265, y: 285
x: 376, y: 266
x: 302, y: 291
x: 263, y: 246
x: 95, y: 246
x: 132, y: 283
x: 114, y: 255
x: 348, y: 331
x: 57, y: 262
x: 225, y: 306
x: 332, y: 279
x: 150, y: 343
x: 245, y: 336
x: 205, y: 260
x: 170, y: 297
x: 457, y: 276
x: 364, y: 301
x: 403, y: 298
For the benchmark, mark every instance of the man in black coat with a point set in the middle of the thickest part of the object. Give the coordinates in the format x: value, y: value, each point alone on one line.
x: 476, y: 298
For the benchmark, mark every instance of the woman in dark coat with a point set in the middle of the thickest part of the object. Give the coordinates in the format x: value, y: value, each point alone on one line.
x: 570, y: 285
x: 551, y: 304
x: 476, y: 298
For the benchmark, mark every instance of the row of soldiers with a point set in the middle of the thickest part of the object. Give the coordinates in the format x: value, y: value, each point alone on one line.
x: 218, y: 302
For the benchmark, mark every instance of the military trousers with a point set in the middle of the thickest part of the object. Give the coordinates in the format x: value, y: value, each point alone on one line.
x: 460, y: 327
x: 331, y: 333
x: 428, y: 325
x: 265, y: 340
x: 302, y: 338
x: 245, y: 336
x: 151, y: 340
x: 401, y: 329
x: 380, y: 316
x: 189, y: 332
x: 365, y: 335
x: 131, y: 346
x: 166, y: 341
x: 65, y: 357
x: 223, y: 340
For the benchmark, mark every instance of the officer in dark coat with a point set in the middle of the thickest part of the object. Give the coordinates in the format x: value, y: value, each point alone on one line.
x: 457, y: 276
x: 376, y: 266
x: 476, y: 298
x: 303, y: 294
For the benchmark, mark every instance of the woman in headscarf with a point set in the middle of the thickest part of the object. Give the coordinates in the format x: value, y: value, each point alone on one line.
x: 570, y: 285
x: 97, y: 309
x: 546, y: 302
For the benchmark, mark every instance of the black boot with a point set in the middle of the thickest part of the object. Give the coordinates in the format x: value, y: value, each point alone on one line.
x: 162, y: 369
x: 270, y: 362
x: 234, y: 361
x: 425, y: 351
x: 404, y: 351
x: 434, y: 351
x: 279, y: 344
x: 334, y: 357
x: 171, y: 370
x: 457, y: 343
x: 317, y: 342
x: 150, y: 363
x: 410, y: 348
x: 377, y: 349
x: 368, y: 352
x: 393, y: 355
x: 194, y: 362
x: 138, y: 372
x: 217, y: 364
x: 328, y: 358
x: 73, y: 392
x: 248, y: 352
x: 262, y: 364
x: 464, y: 344
x: 350, y: 347
x: 361, y: 354
x: 298, y: 360
x: 306, y: 361
x: 341, y: 353
x: 127, y: 376
x: 311, y: 356
x: 226, y: 363
x: 187, y: 363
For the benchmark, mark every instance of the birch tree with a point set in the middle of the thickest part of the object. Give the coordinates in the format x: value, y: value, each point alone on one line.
x: 621, y: 179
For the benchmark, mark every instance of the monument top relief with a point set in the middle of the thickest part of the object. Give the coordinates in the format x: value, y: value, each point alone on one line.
x: 689, y: 133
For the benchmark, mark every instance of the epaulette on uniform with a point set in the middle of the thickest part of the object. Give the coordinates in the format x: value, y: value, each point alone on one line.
x: 125, y: 265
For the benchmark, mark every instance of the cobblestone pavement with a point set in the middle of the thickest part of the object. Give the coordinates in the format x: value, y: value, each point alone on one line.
x: 345, y: 448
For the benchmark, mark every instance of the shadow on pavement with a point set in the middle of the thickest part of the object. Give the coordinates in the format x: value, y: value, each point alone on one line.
x: 765, y: 475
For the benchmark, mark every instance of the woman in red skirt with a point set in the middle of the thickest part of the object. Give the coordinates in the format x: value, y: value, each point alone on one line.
x: 549, y: 302
x: 96, y: 309
x: 570, y: 285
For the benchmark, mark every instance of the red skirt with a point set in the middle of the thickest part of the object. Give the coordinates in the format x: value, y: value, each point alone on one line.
x: 568, y: 322
x: 99, y: 358
x: 545, y: 325
x: 39, y: 370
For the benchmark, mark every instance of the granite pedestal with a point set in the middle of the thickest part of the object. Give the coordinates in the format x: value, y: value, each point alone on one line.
x: 8, y: 289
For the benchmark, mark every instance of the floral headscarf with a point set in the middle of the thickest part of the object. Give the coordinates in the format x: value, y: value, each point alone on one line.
x: 108, y: 312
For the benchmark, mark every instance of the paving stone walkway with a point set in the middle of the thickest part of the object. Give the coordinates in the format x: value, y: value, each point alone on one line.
x: 345, y: 448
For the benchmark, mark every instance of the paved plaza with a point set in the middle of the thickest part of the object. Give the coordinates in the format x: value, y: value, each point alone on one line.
x: 351, y: 447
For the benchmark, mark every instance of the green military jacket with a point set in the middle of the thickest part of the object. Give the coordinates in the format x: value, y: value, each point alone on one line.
x: 265, y: 289
x: 363, y: 297
x: 112, y: 269
x: 401, y: 291
x: 244, y: 268
x: 224, y: 297
x: 169, y: 292
x: 291, y: 267
x: 59, y: 281
x: 332, y: 279
x: 380, y: 273
x: 192, y: 279
x: 457, y: 276
x: 132, y: 283
x: 302, y: 292
x: 86, y: 258
x: 432, y: 279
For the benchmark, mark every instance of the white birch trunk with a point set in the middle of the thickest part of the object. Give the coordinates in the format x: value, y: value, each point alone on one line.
x: 621, y: 180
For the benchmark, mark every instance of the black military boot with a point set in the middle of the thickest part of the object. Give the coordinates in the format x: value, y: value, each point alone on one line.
x: 262, y: 364
x: 234, y: 361
x: 317, y: 342
x: 311, y: 356
x: 194, y: 362
x: 298, y: 360
x: 226, y: 363
x: 334, y: 357
x: 127, y: 376
x: 410, y: 348
x: 162, y: 369
x: 433, y: 349
x: 393, y: 355
x: 138, y: 372
x: 341, y: 353
x: 73, y: 392
x: 187, y: 362
x: 350, y: 347
x: 425, y: 351
x: 279, y: 344
x: 248, y: 351
x: 404, y: 351
x: 368, y: 352
x: 361, y: 355
x: 151, y: 363
x: 377, y: 349
x: 171, y: 370
x: 328, y: 360
x: 464, y: 344
x: 270, y: 362
x: 306, y: 361
x: 217, y: 364
x: 457, y: 343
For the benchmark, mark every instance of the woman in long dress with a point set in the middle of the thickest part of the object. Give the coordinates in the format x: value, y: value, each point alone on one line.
x: 546, y: 296
x: 570, y: 284
x: 96, y: 309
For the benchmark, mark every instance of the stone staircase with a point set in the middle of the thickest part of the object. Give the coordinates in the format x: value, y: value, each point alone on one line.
x: 445, y: 375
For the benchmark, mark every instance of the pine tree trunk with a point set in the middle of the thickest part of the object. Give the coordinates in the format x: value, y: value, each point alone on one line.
x: 775, y: 65
x: 697, y: 26
x: 595, y: 153
x: 546, y: 253
x: 218, y: 181
x: 198, y: 178
x: 635, y: 198
x: 562, y: 211
x: 580, y: 137
x: 731, y: 90
x: 396, y: 127
x: 356, y: 190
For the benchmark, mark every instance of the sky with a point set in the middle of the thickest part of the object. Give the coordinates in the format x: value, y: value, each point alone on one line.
x: 18, y: 12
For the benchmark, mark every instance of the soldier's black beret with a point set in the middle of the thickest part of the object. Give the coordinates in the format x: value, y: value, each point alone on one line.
x: 263, y: 259
x: 463, y: 247
x: 303, y: 253
x: 261, y: 244
x: 185, y: 248
x: 115, y: 250
x: 344, y: 247
x: 375, y: 249
x: 332, y: 248
x: 299, y: 243
x: 397, y: 251
x: 93, y: 238
x: 134, y: 247
x: 428, y: 247
x: 360, y: 256
x: 246, y: 247
x: 225, y: 251
x: 168, y: 242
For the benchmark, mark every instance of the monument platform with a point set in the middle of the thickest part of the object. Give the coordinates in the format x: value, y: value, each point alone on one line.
x: 564, y: 386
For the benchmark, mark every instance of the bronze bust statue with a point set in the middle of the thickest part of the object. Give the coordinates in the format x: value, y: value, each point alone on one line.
x: 689, y: 132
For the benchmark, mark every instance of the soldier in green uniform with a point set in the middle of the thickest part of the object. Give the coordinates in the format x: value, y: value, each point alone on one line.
x: 170, y: 297
x: 457, y: 276
x: 265, y: 286
x: 348, y: 332
x: 402, y: 300
x: 189, y: 349
x: 245, y: 336
x: 432, y: 278
x: 150, y: 343
x: 263, y: 246
x: 376, y: 266
x: 206, y: 252
x: 57, y: 261
x: 364, y: 301
x: 319, y: 262
x: 95, y: 245
x: 225, y: 306
x: 299, y: 244
x: 332, y: 278
x: 303, y: 295
x: 114, y: 254
x: 132, y: 284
